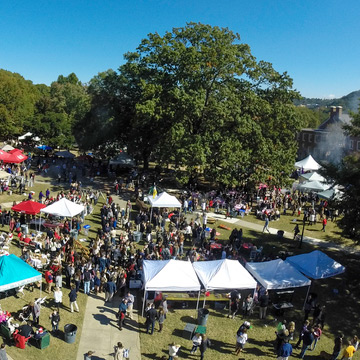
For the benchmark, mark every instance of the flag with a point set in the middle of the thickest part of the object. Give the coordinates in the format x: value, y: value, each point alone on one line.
x: 154, y: 192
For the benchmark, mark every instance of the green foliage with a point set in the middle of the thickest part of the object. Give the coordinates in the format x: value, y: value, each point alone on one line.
x: 17, y: 103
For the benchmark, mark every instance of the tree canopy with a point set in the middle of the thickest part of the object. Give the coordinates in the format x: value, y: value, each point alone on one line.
x: 196, y: 98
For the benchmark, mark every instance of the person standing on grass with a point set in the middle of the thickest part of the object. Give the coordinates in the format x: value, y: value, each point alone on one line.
x: 58, y: 297
x: 241, y: 339
x: 205, y: 343
x: 263, y: 303
x: 55, y: 319
x: 324, y: 223
x: 196, y: 343
x: 151, y: 316
x: 266, y: 225
x: 173, y: 350
x: 72, y: 298
x: 161, y: 318
x: 348, y: 351
x: 285, y: 350
x: 337, y: 346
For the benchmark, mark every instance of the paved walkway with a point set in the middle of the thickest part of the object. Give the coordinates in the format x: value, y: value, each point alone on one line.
x: 100, y: 330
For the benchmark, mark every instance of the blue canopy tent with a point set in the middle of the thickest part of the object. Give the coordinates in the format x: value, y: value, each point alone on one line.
x: 316, y: 265
x: 15, y: 272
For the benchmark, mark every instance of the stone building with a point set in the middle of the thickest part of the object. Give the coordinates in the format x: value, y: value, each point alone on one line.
x: 328, y: 142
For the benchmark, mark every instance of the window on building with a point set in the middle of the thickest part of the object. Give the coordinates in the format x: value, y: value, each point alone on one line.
x: 310, y: 138
x: 351, y: 145
x: 317, y: 138
x: 358, y: 145
x: 304, y: 137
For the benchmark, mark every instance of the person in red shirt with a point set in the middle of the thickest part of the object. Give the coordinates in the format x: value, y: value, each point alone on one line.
x: 324, y: 223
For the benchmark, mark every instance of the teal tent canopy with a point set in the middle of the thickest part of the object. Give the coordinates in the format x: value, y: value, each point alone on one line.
x: 15, y: 272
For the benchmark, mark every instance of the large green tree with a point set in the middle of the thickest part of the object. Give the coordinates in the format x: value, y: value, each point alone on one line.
x: 196, y: 98
x: 17, y: 103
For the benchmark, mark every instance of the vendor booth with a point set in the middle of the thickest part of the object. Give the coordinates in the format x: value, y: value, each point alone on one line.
x: 163, y: 200
x: 223, y: 274
x: 169, y: 275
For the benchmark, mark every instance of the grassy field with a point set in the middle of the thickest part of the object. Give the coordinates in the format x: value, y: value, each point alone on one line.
x: 58, y: 349
x: 287, y: 223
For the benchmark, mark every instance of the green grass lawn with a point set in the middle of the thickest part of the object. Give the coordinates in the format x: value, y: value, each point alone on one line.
x: 287, y: 223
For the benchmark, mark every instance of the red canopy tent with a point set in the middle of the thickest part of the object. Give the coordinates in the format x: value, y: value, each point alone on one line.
x: 29, y: 207
x: 4, y: 155
x: 15, y: 156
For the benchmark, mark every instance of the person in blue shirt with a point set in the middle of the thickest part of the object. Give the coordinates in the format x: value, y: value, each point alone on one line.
x: 285, y: 350
x: 41, y: 195
x: 122, y: 311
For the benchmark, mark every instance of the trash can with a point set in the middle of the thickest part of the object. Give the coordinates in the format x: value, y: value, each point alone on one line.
x: 86, y: 229
x: 203, y: 315
x: 70, y: 333
x: 24, y: 229
x: 137, y: 236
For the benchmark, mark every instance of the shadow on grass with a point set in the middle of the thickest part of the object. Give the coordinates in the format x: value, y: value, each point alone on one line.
x: 150, y: 356
x: 188, y: 319
x: 222, y: 347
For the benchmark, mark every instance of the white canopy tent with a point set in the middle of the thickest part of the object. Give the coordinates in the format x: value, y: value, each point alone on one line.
x: 163, y: 200
x: 313, y: 186
x: 312, y: 176
x: 169, y: 275
x: 308, y: 164
x: 4, y: 174
x: 277, y: 274
x: 64, y: 208
x: 223, y: 275
x: 7, y: 147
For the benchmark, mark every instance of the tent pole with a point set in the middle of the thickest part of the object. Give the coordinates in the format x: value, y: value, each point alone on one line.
x: 204, y: 300
x: 143, y: 305
x: 198, y: 299
x: 307, y: 294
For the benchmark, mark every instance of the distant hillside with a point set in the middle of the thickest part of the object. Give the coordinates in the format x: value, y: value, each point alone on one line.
x: 349, y: 102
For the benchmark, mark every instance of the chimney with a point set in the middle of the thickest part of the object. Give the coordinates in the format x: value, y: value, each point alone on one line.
x: 332, y: 111
x: 339, y: 111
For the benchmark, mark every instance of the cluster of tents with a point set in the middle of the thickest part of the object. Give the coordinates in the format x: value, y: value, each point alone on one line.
x: 184, y: 276
x: 311, y: 180
x: 62, y: 208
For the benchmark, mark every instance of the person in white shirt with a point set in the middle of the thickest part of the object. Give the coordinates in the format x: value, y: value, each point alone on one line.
x: 173, y: 349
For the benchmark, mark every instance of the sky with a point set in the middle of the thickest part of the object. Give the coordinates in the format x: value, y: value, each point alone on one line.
x: 315, y: 42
